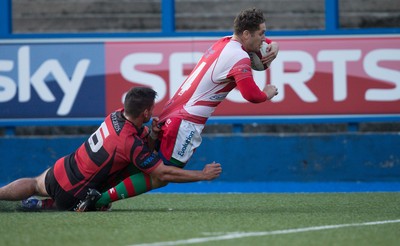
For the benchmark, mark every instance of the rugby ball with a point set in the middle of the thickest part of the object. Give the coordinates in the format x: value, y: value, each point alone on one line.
x: 255, y: 58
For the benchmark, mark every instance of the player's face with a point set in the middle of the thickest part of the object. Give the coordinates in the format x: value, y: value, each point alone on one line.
x: 148, y: 113
x: 256, y: 38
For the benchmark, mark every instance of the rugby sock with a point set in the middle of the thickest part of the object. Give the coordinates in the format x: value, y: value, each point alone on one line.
x: 132, y: 186
x: 47, y: 203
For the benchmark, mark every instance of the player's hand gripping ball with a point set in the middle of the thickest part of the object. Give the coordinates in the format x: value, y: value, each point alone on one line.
x: 255, y: 58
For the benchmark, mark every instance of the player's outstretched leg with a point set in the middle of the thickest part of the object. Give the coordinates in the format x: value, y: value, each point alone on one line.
x: 132, y: 186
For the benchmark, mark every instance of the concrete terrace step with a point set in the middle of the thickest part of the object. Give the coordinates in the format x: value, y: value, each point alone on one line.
x: 145, y: 15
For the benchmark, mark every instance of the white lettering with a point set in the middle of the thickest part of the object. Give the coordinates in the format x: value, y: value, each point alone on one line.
x: 39, y: 83
x: 8, y: 88
x: 373, y: 69
x: 70, y: 88
x: 130, y: 73
x: 24, y: 70
x: 339, y: 58
x: 296, y: 80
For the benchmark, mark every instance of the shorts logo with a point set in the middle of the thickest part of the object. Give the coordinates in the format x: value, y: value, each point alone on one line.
x: 186, y: 143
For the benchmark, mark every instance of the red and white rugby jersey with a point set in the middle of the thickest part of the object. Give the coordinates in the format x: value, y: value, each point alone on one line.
x: 215, y: 75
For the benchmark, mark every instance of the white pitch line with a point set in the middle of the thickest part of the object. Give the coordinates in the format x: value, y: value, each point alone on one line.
x: 234, y: 235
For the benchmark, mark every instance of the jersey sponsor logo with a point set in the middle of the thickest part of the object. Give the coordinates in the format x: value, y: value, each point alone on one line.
x: 116, y: 124
x: 244, y: 68
x: 218, y: 97
x: 186, y: 143
x: 149, y: 161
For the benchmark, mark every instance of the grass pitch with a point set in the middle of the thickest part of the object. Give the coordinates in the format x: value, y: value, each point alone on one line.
x: 215, y: 219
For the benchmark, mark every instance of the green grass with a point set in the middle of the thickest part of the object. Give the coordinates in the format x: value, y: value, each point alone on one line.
x: 154, y: 218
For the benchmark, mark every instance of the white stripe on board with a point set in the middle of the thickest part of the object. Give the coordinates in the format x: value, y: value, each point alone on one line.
x: 234, y: 235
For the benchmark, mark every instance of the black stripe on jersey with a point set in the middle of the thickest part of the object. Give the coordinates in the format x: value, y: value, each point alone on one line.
x: 98, y: 180
x: 72, y: 170
x: 98, y: 157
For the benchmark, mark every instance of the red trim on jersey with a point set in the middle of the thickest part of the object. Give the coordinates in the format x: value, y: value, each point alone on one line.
x: 241, y: 70
x: 129, y: 187
x: 183, y: 114
x: 228, y: 87
x: 207, y: 103
x: 148, y: 182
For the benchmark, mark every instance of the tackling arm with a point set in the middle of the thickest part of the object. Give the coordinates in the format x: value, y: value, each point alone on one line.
x: 178, y: 175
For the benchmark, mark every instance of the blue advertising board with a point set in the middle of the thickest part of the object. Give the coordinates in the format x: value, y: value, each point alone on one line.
x: 52, y: 80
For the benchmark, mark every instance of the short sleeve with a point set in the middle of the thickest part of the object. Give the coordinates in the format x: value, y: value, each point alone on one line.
x: 142, y: 157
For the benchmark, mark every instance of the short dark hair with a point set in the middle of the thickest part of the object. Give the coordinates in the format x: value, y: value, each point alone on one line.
x: 248, y: 19
x: 138, y: 99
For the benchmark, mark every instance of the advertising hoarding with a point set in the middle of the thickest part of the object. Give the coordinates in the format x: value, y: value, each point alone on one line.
x: 314, y: 75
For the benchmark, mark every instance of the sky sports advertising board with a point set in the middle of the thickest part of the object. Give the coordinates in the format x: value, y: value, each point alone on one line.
x: 314, y: 76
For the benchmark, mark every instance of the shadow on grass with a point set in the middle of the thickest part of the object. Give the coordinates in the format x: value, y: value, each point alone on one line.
x: 9, y: 207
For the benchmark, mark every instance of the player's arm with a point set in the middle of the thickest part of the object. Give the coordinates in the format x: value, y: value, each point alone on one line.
x: 151, y: 163
x: 242, y: 74
x: 178, y: 175
x: 250, y: 90
x: 252, y: 93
